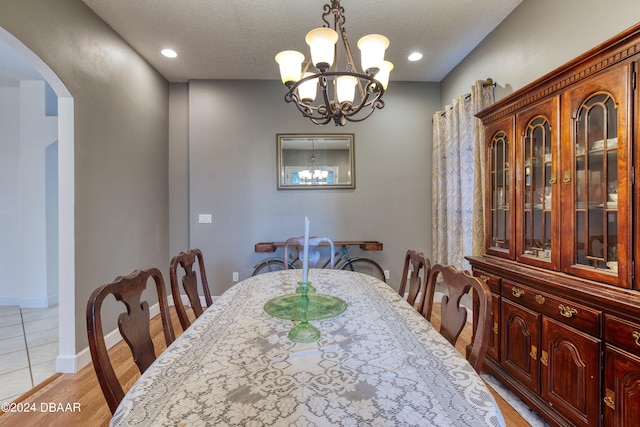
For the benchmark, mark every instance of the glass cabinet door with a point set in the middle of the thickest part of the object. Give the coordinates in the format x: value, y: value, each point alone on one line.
x: 499, y: 198
x: 600, y: 192
x: 500, y: 191
x: 537, y: 213
x: 596, y: 186
x: 537, y: 190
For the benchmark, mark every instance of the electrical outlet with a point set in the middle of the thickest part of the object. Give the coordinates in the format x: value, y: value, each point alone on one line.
x: 386, y: 274
x: 235, y: 276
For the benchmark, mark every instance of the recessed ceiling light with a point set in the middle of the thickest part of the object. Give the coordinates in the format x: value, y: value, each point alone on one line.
x: 415, y: 56
x: 169, y: 53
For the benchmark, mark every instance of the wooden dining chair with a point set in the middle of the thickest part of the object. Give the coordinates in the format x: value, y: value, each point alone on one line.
x: 416, y: 271
x: 453, y: 315
x: 184, y: 262
x: 134, y: 326
x: 313, y: 243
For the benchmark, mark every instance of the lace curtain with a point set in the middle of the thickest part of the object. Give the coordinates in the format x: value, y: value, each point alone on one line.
x: 457, y: 180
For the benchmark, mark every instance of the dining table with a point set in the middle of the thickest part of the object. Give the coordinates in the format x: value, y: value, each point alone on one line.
x: 378, y: 363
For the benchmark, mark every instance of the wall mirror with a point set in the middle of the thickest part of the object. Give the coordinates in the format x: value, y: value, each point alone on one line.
x: 315, y: 161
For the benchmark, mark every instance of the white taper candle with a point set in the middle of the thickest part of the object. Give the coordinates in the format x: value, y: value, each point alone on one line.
x: 305, y: 260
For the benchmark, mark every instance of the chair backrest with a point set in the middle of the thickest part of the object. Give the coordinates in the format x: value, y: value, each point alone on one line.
x: 420, y: 266
x: 134, y: 326
x: 313, y: 242
x: 184, y: 262
x: 454, y: 316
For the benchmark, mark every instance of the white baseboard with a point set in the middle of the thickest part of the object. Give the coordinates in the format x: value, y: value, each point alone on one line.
x: 186, y: 302
x: 72, y: 363
x: 53, y: 299
x: 10, y: 301
x: 43, y: 302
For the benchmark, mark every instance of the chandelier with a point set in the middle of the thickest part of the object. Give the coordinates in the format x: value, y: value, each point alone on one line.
x: 338, y: 100
x: 314, y: 174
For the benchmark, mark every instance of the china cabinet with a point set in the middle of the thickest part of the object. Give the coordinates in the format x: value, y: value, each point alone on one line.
x: 562, y: 241
x: 622, y: 372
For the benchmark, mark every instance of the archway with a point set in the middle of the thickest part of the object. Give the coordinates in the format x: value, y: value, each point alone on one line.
x: 66, y: 359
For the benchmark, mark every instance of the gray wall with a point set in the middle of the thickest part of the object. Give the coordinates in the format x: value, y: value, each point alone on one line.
x: 536, y: 38
x: 221, y: 156
x: 232, y: 175
x: 121, y: 141
x: 178, y: 168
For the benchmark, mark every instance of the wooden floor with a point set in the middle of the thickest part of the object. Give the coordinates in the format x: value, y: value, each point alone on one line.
x: 63, y: 391
x: 511, y: 417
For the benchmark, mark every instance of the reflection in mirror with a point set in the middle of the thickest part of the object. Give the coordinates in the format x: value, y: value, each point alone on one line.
x: 315, y: 161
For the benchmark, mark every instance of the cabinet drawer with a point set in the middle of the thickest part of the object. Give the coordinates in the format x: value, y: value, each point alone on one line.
x: 579, y: 316
x: 490, y: 279
x: 622, y: 333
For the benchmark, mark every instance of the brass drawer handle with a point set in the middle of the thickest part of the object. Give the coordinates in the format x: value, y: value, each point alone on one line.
x: 567, y: 311
x: 534, y: 352
x: 540, y: 299
x: 495, y: 328
x: 610, y: 398
x: 484, y: 278
x: 544, y: 360
x: 636, y: 336
x: 517, y: 292
x: 609, y: 402
x: 567, y: 177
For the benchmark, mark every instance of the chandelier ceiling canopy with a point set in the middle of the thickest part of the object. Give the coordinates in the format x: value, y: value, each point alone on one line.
x: 346, y: 95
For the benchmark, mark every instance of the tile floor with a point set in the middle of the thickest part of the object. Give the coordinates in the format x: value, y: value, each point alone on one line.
x: 28, y: 348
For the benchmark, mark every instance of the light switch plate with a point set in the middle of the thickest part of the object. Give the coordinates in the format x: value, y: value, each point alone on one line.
x: 204, y: 218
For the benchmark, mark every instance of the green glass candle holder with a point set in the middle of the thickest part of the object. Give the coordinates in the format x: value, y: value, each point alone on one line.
x: 320, y: 306
x: 310, y: 290
x: 304, y: 331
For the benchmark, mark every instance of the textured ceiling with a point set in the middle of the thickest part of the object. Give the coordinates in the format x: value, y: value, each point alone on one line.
x: 238, y: 39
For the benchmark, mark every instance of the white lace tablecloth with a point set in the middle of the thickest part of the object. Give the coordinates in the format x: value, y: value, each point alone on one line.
x: 377, y: 364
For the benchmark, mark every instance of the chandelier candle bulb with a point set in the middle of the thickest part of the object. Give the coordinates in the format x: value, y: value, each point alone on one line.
x: 308, y: 89
x: 372, y: 49
x: 383, y: 74
x: 290, y: 62
x: 322, y: 41
x: 346, y: 88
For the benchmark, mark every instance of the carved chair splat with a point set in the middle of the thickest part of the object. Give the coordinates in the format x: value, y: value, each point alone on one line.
x: 134, y: 326
x: 185, y: 262
x: 420, y: 266
x: 454, y: 315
